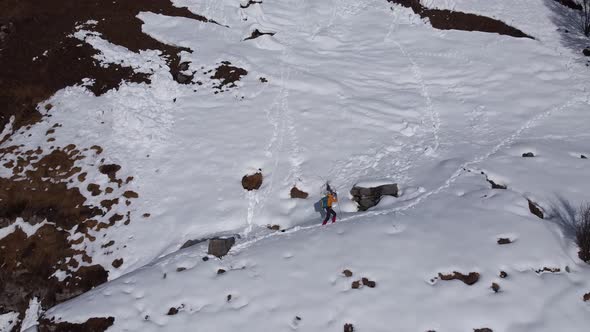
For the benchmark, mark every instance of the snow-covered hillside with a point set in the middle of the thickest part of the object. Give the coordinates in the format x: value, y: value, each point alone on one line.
x: 350, y: 92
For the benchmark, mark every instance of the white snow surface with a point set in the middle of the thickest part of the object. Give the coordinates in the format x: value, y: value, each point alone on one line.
x: 31, y: 316
x: 357, y: 92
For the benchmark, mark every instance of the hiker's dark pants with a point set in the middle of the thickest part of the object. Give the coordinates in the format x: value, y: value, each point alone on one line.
x: 330, y: 212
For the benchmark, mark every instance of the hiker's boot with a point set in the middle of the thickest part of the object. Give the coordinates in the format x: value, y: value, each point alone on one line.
x: 334, y: 219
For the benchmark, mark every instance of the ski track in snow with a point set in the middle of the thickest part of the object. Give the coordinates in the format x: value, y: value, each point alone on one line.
x: 447, y: 183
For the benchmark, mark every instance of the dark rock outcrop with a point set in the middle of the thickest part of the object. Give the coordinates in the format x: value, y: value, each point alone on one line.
x: 468, y: 279
x: 348, y: 327
x: 586, y: 51
x: 504, y: 241
x: 535, y: 209
x: 219, y: 247
x: 252, y: 181
x: 528, y: 155
x: 366, y: 198
x: 296, y: 193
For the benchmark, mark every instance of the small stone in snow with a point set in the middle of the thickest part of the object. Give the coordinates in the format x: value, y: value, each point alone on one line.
x: 347, y: 273
x: 503, y: 274
x: 528, y: 155
x: 495, y: 287
x: 220, y: 271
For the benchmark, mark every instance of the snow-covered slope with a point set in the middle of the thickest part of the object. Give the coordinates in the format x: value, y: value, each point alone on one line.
x: 347, y: 92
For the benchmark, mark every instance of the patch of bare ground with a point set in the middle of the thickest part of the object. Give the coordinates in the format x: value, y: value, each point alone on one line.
x: 39, y: 191
x: 38, y: 45
x: 444, y: 19
x: 228, y: 75
x: 468, y: 279
x: 95, y: 324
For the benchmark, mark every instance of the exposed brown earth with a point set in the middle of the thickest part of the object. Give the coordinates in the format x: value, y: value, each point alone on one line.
x: 39, y: 191
x: 228, y: 75
x: 41, y: 30
x: 468, y: 279
x: 91, y: 325
x: 296, y: 193
x: 444, y: 19
x: 252, y: 181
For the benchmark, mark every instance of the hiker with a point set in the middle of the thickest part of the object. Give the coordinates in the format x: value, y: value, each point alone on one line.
x: 327, y: 202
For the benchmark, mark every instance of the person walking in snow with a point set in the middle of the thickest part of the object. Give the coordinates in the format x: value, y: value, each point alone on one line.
x: 327, y: 202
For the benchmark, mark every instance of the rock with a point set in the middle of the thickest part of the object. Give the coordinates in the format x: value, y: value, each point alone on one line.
x: 219, y: 247
x: 369, y: 283
x: 495, y: 287
x: 347, y: 273
x: 356, y: 284
x: 583, y: 156
x: 535, y: 209
x: 504, y: 241
x: 172, y: 311
x: 228, y: 297
x: 496, y: 185
x: 117, y: 263
x: 483, y: 329
x: 586, y: 297
x: 180, y: 269
x: 469, y: 279
x: 182, y: 78
x: 296, y: 193
x: 221, y: 271
x: 252, y: 182
x: 183, y: 66
x: 503, y: 274
x: 528, y: 155
x: 366, y: 198
x: 586, y: 51
x: 348, y: 327
x: 205, y: 258
x: 130, y: 194
x: 274, y: 227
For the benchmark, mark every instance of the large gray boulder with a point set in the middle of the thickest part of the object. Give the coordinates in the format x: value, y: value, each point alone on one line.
x: 220, y: 246
x: 366, y: 198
